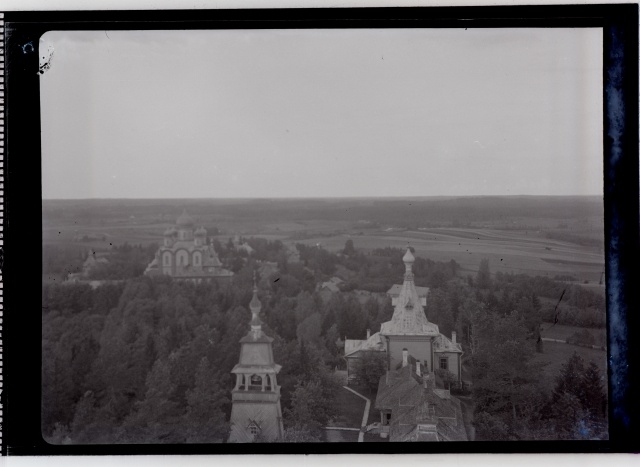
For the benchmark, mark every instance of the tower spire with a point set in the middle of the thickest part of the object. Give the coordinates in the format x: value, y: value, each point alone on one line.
x: 408, y: 315
x: 408, y: 260
x: 255, y: 306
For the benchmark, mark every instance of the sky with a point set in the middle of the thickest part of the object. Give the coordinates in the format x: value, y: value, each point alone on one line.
x: 322, y: 113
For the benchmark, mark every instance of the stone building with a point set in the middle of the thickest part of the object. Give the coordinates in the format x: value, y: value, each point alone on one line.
x: 256, y: 410
x: 185, y: 254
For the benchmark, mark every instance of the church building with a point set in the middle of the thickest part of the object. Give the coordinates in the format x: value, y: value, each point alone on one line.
x: 186, y: 255
x: 411, y: 407
x: 409, y: 333
x: 256, y: 410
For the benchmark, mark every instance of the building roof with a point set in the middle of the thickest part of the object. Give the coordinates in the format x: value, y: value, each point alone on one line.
x: 269, y: 369
x: 419, y: 413
x: 443, y: 344
x: 408, y: 314
x: 330, y: 286
x: 395, y: 289
x: 375, y: 343
x: 246, y: 247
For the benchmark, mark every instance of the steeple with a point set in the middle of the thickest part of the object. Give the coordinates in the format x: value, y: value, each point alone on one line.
x: 255, y: 306
x: 256, y: 397
x: 408, y: 314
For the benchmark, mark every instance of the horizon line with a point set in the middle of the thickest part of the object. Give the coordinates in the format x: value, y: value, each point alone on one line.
x: 248, y: 198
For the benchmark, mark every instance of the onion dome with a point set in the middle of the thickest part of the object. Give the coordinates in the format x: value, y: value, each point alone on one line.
x: 200, y: 232
x: 255, y: 304
x: 185, y: 220
x: 408, y: 257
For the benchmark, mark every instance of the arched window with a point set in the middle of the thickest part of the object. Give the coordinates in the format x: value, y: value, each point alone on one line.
x: 182, y: 258
x: 268, y: 383
x: 166, y: 258
x: 197, y: 258
x: 256, y: 380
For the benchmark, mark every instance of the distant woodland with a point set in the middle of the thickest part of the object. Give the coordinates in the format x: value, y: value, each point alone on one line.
x: 578, y: 218
x: 146, y: 360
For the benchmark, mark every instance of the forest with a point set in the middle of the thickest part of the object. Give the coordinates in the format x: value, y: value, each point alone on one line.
x: 144, y: 360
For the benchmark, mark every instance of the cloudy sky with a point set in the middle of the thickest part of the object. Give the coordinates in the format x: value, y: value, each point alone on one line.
x: 209, y: 114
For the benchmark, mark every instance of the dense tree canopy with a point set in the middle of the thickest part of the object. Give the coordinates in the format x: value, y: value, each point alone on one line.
x: 148, y: 359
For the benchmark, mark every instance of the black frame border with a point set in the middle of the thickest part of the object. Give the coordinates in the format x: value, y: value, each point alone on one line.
x: 23, y: 224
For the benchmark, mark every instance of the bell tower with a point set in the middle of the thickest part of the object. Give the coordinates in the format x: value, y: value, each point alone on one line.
x: 256, y: 410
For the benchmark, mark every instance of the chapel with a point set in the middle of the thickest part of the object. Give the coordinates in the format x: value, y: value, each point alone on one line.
x: 186, y: 255
x: 409, y: 333
x: 411, y: 407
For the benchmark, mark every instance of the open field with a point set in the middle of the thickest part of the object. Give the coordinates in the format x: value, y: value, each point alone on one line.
x: 545, y: 236
x: 508, y: 251
x: 562, y: 332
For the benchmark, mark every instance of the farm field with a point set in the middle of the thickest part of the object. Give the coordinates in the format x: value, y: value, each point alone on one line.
x: 562, y: 332
x: 552, y: 240
x: 507, y: 251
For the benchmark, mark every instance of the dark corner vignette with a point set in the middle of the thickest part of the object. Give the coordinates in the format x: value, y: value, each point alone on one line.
x: 21, y: 398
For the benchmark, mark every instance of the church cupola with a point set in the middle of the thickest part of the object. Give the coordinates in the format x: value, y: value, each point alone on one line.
x: 169, y: 236
x: 200, y: 235
x: 185, y: 220
x: 408, y: 260
x: 184, y: 223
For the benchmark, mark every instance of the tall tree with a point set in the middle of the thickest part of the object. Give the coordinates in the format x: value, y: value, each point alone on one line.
x: 205, y: 420
x: 505, y: 380
x: 594, y: 398
x: 369, y: 368
x: 156, y: 418
x: 483, y: 278
x: 578, y: 401
x: 349, y: 249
